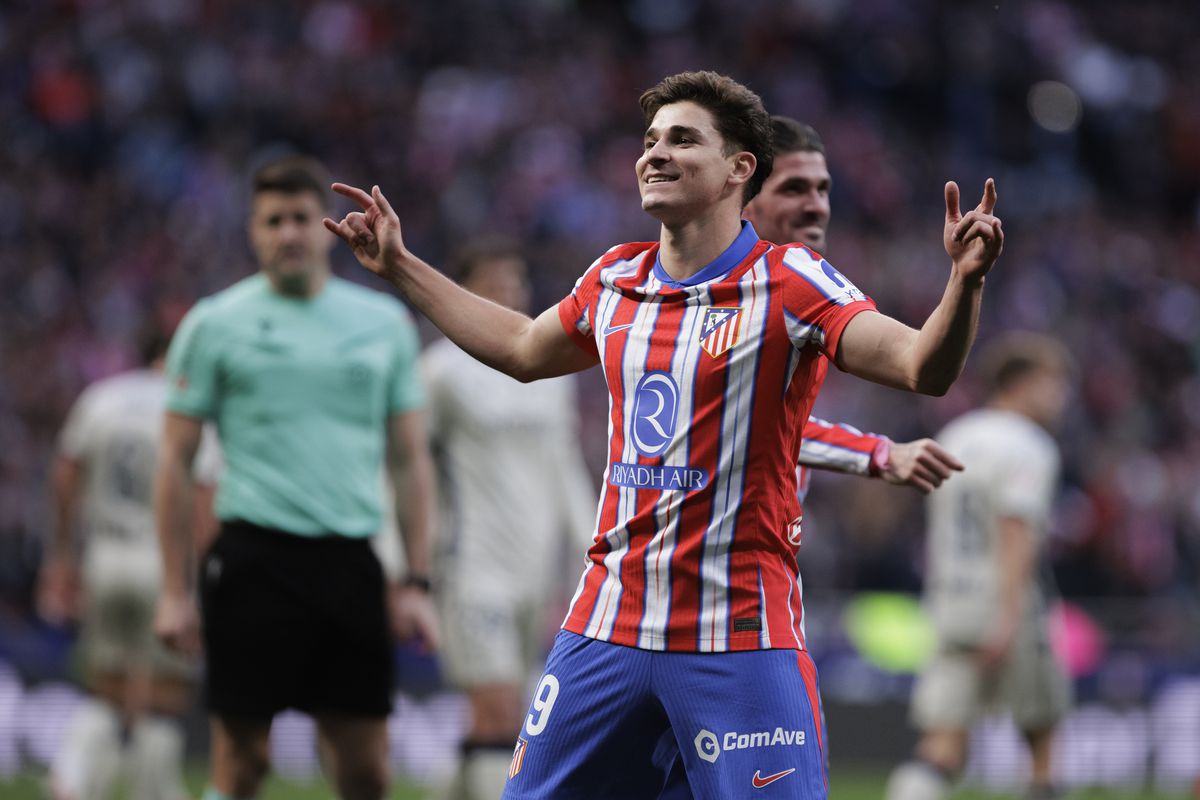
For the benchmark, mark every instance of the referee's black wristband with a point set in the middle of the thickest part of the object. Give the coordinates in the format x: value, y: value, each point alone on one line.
x: 420, y: 582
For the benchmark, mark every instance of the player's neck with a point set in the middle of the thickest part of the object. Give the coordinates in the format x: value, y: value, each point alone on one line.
x: 688, y: 247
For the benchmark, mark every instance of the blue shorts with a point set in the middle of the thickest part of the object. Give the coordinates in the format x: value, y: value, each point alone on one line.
x: 610, y: 721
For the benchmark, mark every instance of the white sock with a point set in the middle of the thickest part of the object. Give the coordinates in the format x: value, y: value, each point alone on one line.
x: 156, y: 760
x: 90, y: 754
x: 916, y: 780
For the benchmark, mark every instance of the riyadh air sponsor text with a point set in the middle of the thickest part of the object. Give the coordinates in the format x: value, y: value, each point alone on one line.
x: 642, y: 476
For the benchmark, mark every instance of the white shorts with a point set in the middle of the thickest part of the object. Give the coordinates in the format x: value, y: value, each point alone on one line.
x: 117, y: 629
x: 953, y: 690
x: 492, y: 638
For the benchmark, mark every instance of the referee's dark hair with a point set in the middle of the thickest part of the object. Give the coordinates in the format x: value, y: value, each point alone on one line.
x: 294, y: 174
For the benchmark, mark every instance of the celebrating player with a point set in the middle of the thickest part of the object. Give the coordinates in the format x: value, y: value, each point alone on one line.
x: 517, y: 495
x: 981, y: 581
x: 102, y: 486
x: 309, y: 379
x: 688, y: 618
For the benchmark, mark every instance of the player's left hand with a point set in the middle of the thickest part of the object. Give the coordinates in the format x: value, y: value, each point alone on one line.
x: 974, y: 240
x: 922, y: 464
x: 414, y: 617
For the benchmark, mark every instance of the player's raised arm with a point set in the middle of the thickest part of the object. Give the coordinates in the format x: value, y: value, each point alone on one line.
x: 881, y: 349
x: 506, y: 340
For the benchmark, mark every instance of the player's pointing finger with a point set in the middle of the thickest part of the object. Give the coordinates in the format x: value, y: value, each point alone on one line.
x: 952, y: 212
x: 381, y: 201
x: 354, y: 193
x: 988, y: 203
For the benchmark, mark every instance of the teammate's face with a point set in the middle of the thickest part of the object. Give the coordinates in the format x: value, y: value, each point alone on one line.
x: 502, y: 280
x: 684, y: 170
x: 289, y: 241
x: 793, y: 205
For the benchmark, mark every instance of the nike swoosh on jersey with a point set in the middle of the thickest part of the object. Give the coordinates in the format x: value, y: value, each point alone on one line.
x: 759, y: 781
x: 611, y: 329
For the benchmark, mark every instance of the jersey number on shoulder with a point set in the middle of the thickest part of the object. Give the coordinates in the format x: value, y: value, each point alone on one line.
x: 543, y: 703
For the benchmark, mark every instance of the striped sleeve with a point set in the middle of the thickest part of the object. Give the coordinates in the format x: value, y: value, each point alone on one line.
x: 818, y: 300
x: 838, y: 447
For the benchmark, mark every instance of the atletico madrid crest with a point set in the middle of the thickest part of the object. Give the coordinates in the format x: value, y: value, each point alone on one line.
x: 518, y: 759
x: 721, y: 329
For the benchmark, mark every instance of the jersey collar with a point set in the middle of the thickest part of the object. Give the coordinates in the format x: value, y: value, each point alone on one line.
x: 718, y: 267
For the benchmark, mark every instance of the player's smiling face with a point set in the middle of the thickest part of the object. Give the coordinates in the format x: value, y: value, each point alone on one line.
x: 684, y: 168
x: 291, y: 244
x: 793, y: 205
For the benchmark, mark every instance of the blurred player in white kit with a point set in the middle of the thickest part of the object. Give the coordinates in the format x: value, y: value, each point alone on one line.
x: 109, y: 578
x: 517, y: 496
x: 986, y: 527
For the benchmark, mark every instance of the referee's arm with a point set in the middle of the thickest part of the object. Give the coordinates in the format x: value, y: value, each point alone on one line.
x: 411, y: 468
x: 176, y: 620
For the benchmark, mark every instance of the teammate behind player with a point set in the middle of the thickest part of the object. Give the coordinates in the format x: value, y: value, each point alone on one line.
x: 981, y: 581
x: 517, y: 496
x: 311, y: 381
x: 102, y: 489
x: 793, y: 206
x: 688, y: 619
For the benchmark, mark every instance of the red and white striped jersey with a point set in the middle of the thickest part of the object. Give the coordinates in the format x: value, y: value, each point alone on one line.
x: 833, y: 446
x: 710, y: 383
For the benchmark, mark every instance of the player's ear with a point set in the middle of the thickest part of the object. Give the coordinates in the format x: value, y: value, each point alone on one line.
x: 744, y: 164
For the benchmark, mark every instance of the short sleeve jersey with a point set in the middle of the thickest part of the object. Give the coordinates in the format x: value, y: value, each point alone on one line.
x: 512, y: 479
x: 710, y: 381
x: 113, y: 432
x: 300, y: 390
x: 1012, y: 468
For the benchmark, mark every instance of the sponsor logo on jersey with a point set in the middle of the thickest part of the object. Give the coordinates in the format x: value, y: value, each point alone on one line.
x: 794, y: 532
x: 758, y: 781
x: 655, y: 407
x: 611, y: 329
x: 709, y: 745
x: 663, y: 479
x: 720, y: 329
x: 518, y: 759
x: 839, y: 280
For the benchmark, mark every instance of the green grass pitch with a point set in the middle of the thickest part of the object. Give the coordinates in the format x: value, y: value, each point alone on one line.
x: 846, y: 784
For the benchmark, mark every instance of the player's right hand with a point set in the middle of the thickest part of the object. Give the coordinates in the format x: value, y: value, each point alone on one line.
x: 373, y: 233
x: 177, y: 623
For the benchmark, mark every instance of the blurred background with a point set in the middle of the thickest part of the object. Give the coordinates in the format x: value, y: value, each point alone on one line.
x: 127, y: 129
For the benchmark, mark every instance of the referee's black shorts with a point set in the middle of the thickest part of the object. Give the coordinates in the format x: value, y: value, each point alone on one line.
x: 294, y: 622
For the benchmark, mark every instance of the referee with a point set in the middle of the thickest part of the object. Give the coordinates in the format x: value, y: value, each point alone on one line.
x: 312, y: 382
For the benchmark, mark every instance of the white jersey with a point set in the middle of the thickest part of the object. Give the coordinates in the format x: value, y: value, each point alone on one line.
x: 112, y: 432
x: 1012, y: 467
x: 515, y: 490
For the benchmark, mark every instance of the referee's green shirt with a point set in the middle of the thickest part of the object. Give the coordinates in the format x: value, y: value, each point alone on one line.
x: 300, y: 390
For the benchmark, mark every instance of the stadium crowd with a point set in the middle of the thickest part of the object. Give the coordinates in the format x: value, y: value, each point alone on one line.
x: 128, y: 129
